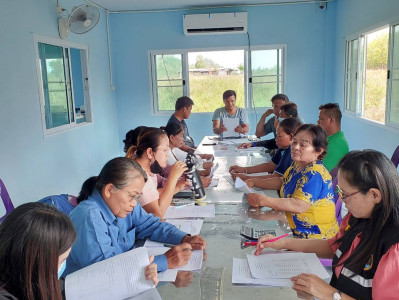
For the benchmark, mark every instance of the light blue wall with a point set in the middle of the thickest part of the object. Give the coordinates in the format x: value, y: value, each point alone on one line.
x: 33, y: 166
x: 352, y: 17
x: 301, y: 27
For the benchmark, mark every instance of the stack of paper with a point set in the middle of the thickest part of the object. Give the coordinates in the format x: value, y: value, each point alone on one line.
x: 276, y: 268
x: 190, y: 211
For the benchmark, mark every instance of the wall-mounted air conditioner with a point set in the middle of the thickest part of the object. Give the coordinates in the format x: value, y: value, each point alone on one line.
x: 224, y: 23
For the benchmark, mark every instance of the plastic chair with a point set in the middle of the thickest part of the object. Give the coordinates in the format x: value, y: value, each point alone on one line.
x: 64, y: 203
x: 6, y: 200
x: 395, y: 157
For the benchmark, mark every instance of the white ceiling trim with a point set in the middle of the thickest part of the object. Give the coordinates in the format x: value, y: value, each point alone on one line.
x: 222, y: 4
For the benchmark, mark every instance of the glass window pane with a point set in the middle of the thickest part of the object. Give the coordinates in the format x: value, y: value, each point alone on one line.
x: 167, y: 97
x: 396, y: 48
x: 394, y: 112
x: 211, y: 73
x: 53, y: 78
x: 266, y: 76
x: 78, y: 85
x: 169, y: 80
x: 376, y: 75
x: 351, y: 75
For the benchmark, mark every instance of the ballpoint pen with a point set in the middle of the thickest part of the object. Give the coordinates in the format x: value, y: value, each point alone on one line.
x: 254, y: 243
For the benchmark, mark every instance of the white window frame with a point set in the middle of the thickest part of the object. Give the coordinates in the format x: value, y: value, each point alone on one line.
x: 86, y: 85
x: 185, y: 76
x: 360, y: 85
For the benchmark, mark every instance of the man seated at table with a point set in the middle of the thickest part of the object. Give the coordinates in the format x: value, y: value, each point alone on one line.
x: 183, y: 109
x: 265, y: 127
x: 330, y: 119
x: 230, y: 110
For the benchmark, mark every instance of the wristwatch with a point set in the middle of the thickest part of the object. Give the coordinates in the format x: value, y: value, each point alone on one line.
x: 336, y: 295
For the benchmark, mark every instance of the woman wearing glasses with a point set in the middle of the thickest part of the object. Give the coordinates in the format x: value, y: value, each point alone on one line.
x: 305, y: 189
x: 108, y: 220
x: 365, y: 252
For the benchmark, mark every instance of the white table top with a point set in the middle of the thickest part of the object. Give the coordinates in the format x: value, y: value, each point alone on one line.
x: 223, y: 238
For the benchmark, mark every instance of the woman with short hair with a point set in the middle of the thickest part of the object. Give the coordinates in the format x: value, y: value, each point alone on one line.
x: 306, y: 188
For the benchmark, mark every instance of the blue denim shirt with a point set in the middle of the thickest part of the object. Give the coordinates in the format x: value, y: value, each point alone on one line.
x: 101, y: 235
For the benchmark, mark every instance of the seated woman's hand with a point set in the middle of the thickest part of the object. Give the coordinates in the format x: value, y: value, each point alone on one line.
x: 177, y: 169
x: 196, y: 241
x: 182, y: 185
x: 313, y: 285
x: 236, y: 169
x: 207, y: 164
x: 242, y: 176
x: 244, y: 145
x: 262, y: 243
x: 150, y: 271
x: 206, y: 181
x: 254, y: 199
x: 250, y: 182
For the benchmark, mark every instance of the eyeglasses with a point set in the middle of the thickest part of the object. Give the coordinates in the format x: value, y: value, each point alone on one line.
x: 133, y: 198
x: 344, y: 196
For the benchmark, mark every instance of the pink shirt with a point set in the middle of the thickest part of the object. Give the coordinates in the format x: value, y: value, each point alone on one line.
x: 150, y: 192
x: 385, y: 282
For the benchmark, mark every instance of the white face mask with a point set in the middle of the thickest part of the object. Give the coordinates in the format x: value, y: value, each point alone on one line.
x: 61, y: 269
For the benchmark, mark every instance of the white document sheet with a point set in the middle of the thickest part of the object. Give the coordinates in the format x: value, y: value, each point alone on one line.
x: 231, y: 124
x: 251, y: 149
x: 242, y: 275
x: 213, y: 169
x: 229, y: 179
x: 192, y: 227
x: 190, y: 211
x: 214, y: 183
x: 242, y: 186
x: 285, y: 265
x: 195, y: 262
x: 118, y: 277
x: 151, y: 294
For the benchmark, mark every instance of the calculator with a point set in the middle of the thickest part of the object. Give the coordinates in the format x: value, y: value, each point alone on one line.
x: 254, y: 234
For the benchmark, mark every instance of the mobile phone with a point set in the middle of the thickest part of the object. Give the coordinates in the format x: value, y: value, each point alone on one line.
x: 254, y: 234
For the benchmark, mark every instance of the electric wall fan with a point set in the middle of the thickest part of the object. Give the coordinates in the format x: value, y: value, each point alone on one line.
x: 82, y: 19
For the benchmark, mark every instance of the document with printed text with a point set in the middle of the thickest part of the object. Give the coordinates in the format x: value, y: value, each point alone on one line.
x: 190, y: 211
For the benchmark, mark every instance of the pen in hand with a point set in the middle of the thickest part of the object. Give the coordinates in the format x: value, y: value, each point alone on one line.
x: 254, y: 243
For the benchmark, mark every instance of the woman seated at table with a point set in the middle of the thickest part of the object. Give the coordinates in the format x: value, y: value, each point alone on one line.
x: 108, y: 220
x: 365, y: 252
x: 35, y: 240
x: 279, y: 162
x: 230, y: 110
x: 176, y: 140
x: 306, y: 188
x: 152, y: 152
x: 132, y: 136
x: 288, y: 110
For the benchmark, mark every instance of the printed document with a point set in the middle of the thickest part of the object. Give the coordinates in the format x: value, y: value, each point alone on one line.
x: 242, y: 186
x: 231, y: 124
x: 151, y: 294
x: 190, y: 211
x: 242, y: 275
x: 285, y: 265
x: 118, y: 277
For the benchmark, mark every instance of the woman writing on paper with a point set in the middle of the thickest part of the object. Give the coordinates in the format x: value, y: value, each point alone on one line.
x: 152, y: 153
x: 230, y: 110
x: 35, y: 240
x: 365, y: 252
x: 176, y: 140
x: 306, y: 188
x: 280, y: 161
x: 108, y: 220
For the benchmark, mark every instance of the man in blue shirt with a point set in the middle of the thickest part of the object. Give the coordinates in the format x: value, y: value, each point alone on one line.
x: 183, y: 109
